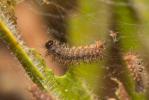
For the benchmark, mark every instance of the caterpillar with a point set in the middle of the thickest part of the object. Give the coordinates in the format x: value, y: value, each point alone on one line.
x: 136, y: 69
x: 74, y: 55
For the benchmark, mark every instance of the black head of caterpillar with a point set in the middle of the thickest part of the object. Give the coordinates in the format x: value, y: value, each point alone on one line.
x: 49, y: 44
x: 73, y: 55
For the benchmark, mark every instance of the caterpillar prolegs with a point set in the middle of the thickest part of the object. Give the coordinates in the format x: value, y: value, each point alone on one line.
x: 73, y: 55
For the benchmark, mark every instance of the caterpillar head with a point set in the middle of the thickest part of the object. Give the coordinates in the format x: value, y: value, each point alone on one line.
x: 49, y: 44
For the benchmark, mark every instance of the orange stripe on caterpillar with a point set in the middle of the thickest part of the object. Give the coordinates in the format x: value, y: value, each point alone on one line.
x: 73, y: 55
x: 136, y: 69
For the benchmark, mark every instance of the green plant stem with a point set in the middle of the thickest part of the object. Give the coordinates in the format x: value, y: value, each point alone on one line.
x: 23, y: 57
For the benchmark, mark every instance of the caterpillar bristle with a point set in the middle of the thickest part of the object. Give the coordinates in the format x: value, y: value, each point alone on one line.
x: 136, y: 69
x: 74, y: 55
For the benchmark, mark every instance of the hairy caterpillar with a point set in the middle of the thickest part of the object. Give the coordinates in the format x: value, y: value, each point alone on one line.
x: 71, y: 55
x: 136, y: 69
